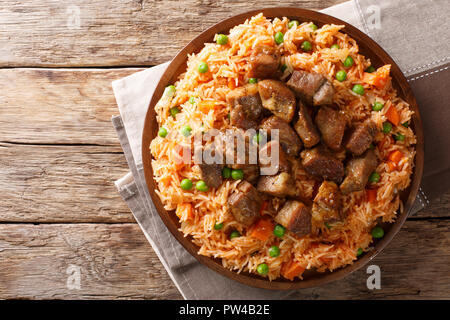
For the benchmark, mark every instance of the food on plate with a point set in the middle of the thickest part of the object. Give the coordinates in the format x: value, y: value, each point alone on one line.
x: 325, y: 152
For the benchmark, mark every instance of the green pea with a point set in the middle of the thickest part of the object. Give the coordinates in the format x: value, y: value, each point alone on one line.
x: 226, y: 172
x: 256, y: 138
x: 377, y: 106
x: 218, y: 226
x: 186, y: 131
x: 359, y: 252
x: 371, y: 146
x: 274, y: 251
x: 262, y: 269
x: 327, y: 225
x: 335, y: 46
x: 283, y: 67
x: 162, y: 132
x: 387, y: 127
x: 399, y: 137
x: 237, y: 174
x: 348, y: 62
x: 229, y: 116
x: 203, y: 67
x: 405, y: 124
x: 279, y: 230
x: 222, y: 39
x: 293, y: 23
x: 279, y: 37
x: 306, y: 46
x: 358, y: 89
x: 370, y: 69
x: 186, y: 184
x: 313, y: 27
x: 170, y: 91
x: 252, y: 80
x: 192, y: 100
x: 174, y: 111
x: 341, y: 75
x: 377, y: 232
x: 374, y: 177
x: 234, y: 234
x: 201, y: 186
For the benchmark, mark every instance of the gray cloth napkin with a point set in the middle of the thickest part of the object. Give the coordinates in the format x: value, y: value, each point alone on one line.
x: 415, y: 34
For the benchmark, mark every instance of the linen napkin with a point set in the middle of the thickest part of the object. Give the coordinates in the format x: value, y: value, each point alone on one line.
x: 414, y: 33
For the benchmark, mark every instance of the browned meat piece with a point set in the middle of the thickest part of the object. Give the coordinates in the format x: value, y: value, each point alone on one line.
x: 211, y: 174
x: 305, y: 84
x: 268, y: 159
x: 331, y: 124
x: 296, y: 217
x: 313, y: 88
x: 277, y: 98
x: 320, y: 162
x: 211, y: 165
x: 306, y: 128
x: 245, y: 203
x: 246, y: 106
x: 289, y: 140
x: 324, y: 95
x: 361, y: 136
x: 251, y: 172
x: 280, y: 185
x: 358, y: 172
x: 264, y: 62
x: 237, y: 153
x: 236, y: 148
x: 327, y: 203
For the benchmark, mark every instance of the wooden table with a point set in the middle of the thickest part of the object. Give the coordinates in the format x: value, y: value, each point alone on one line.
x: 59, y: 156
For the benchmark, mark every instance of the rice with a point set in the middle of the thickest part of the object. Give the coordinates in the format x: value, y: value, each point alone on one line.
x: 228, y: 65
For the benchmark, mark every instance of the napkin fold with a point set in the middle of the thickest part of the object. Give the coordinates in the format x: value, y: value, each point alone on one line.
x: 399, y: 26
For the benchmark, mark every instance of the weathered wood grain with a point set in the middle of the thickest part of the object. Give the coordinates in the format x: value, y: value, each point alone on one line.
x: 58, y: 106
x: 112, y: 33
x: 117, y: 262
x: 61, y: 183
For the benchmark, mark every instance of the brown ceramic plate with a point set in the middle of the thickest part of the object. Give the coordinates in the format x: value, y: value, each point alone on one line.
x: 368, y: 48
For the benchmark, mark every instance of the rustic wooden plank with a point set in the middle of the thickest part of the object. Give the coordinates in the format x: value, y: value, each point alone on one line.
x: 117, y: 262
x: 58, y: 106
x: 61, y: 184
x: 439, y: 207
x: 112, y: 33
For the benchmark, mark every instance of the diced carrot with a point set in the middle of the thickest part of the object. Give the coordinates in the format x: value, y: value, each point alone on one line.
x: 371, y: 195
x: 231, y: 83
x: 392, y: 166
x: 185, y: 210
x: 182, y: 156
x: 378, y: 78
x: 206, y: 105
x: 292, y: 269
x: 393, y: 116
x: 395, y: 156
x: 262, y: 230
